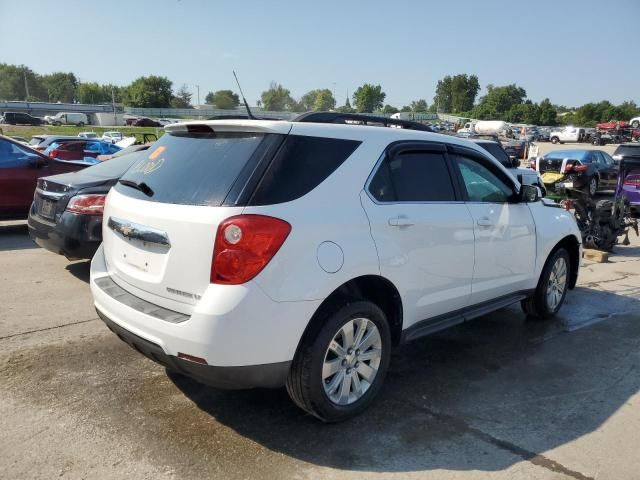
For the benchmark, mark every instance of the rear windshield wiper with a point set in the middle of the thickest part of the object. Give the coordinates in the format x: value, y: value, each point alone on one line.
x: 143, y: 187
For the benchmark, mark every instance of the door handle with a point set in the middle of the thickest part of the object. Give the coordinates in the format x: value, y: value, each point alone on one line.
x: 400, y: 222
x: 485, y: 222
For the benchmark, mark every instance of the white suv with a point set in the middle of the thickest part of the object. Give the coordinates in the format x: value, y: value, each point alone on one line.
x: 248, y: 253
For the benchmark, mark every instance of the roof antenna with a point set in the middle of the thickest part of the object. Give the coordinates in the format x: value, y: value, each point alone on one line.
x: 246, y: 105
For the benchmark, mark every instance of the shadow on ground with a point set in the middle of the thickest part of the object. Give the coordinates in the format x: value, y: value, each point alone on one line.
x: 80, y: 270
x: 451, y: 399
x: 15, y: 236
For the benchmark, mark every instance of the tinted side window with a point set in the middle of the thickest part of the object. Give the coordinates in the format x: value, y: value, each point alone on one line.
x: 301, y: 164
x: 413, y: 177
x: 482, y: 185
x: 12, y: 155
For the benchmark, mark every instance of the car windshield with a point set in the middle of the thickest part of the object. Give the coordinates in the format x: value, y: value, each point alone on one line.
x: 35, y: 140
x: 581, y: 155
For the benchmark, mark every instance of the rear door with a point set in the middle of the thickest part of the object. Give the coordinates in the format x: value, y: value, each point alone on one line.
x: 505, y: 235
x: 608, y: 170
x: 422, y: 230
x: 159, y: 237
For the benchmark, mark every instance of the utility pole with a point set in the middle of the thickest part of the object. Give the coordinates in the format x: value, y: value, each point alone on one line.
x: 198, y: 87
x: 113, y: 105
x: 26, y: 86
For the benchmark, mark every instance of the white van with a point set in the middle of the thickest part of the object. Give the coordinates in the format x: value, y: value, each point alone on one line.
x: 67, y: 118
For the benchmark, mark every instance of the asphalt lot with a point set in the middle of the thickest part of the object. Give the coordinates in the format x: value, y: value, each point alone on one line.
x: 496, y: 398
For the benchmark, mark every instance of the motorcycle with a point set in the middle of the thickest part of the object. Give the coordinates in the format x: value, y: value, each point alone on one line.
x: 602, y: 222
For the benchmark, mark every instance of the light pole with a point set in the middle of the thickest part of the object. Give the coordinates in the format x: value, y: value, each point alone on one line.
x: 198, y: 88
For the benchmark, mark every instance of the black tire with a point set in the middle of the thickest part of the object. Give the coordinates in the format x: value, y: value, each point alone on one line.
x: 81, y: 124
x: 635, y: 124
x: 555, y: 140
x: 536, y: 306
x: 592, y: 186
x: 304, y: 383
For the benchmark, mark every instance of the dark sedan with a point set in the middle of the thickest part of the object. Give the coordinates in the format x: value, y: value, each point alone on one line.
x: 145, y: 122
x: 585, y: 170
x: 20, y: 168
x: 66, y: 214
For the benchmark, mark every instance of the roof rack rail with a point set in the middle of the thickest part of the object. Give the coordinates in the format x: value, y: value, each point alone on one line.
x: 361, y: 119
x: 239, y: 116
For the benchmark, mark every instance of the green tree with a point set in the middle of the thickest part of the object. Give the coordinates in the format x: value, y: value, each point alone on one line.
x: 498, y: 101
x: 60, y: 86
x: 456, y: 94
x: 92, y: 92
x: 547, y: 114
x: 390, y: 110
x: 182, y: 97
x: 346, y: 108
x: 419, y: 106
x: 15, y: 79
x: 223, y: 99
x: 442, y: 99
x: 276, y: 98
x: 150, y: 92
x: 464, y: 89
x: 406, y: 108
x: 318, y: 100
x: 368, y: 98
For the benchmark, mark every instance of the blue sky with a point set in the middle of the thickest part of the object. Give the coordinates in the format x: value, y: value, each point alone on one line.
x: 570, y: 51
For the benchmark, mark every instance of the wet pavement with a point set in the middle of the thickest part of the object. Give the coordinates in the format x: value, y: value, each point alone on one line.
x: 498, y: 397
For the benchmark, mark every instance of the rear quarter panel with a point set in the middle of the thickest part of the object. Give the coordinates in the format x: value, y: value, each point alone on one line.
x: 331, y: 212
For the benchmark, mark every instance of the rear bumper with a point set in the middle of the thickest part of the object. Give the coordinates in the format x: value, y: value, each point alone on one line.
x: 271, y: 375
x: 246, y: 338
x: 72, y: 235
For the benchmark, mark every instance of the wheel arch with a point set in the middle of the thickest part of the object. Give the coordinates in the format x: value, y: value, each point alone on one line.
x: 374, y: 288
x: 572, y: 245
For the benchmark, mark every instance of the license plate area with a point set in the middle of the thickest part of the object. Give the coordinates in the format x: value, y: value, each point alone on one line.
x: 47, y: 208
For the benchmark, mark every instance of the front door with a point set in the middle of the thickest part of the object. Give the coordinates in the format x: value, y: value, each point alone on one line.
x: 505, y: 235
x: 422, y: 230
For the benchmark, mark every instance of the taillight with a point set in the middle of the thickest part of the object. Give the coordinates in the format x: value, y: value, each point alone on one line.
x: 632, y: 181
x: 54, y: 153
x: 244, y: 245
x: 575, y: 167
x: 87, y: 204
x: 567, y: 204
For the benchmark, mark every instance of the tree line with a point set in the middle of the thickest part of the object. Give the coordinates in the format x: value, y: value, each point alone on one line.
x: 454, y: 94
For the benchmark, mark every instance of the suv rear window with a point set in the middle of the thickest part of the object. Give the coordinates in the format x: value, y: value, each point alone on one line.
x: 301, y: 164
x: 627, y: 150
x: 192, y: 168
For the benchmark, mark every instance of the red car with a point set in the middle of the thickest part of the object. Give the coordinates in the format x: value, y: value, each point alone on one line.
x: 20, y: 168
x: 613, y: 125
x: 81, y: 150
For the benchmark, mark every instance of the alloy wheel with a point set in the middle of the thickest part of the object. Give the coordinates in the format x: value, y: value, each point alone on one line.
x: 557, y: 283
x: 351, y: 361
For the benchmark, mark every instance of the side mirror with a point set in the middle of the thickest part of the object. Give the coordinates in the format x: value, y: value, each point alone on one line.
x: 529, y: 194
